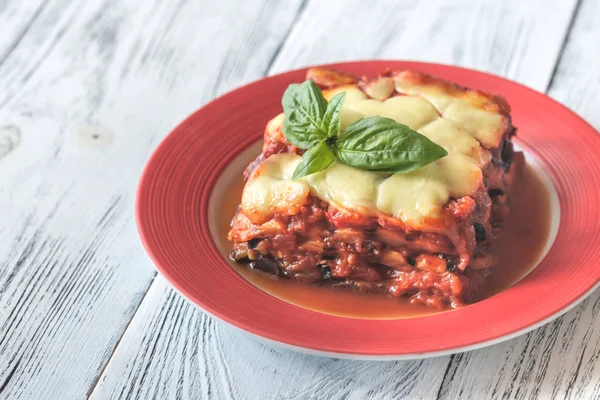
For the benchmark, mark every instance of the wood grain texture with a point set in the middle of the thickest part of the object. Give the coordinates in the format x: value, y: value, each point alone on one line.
x: 176, y: 351
x: 88, y: 89
x: 192, y: 356
x: 16, y: 19
x: 562, y: 359
x: 517, y: 39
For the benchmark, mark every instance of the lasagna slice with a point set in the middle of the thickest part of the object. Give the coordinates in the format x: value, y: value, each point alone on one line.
x: 426, y: 234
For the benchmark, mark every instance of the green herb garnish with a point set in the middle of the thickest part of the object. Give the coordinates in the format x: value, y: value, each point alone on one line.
x: 373, y: 143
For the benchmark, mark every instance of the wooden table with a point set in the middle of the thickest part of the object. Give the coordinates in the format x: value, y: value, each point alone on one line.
x: 88, y: 89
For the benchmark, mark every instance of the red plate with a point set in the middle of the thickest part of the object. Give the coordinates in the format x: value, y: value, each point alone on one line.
x: 173, y: 220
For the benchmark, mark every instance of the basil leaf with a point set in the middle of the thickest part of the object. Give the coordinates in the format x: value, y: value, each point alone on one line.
x: 315, y: 159
x: 304, y: 107
x: 331, y: 120
x: 382, y: 144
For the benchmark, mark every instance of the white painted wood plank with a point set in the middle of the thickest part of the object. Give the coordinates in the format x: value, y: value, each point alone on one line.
x: 87, y: 92
x: 196, y: 357
x: 516, y: 39
x: 186, y: 354
x: 16, y: 17
x: 562, y: 359
x: 559, y: 361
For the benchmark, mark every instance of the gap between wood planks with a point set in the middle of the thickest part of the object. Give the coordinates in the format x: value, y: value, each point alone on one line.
x: 299, y: 13
x: 297, y: 17
x: 22, y: 34
x: 112, y: 353
x: 446, y: 380
x: 564, y: 44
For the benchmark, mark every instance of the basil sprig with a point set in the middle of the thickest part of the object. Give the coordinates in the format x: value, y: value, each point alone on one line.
x: 373, y: 143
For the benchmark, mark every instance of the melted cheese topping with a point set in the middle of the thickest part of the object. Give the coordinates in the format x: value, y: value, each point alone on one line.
x: 270, y: 189
x: 414, y: 197
x: 409, y: 110
x: 466, y: 108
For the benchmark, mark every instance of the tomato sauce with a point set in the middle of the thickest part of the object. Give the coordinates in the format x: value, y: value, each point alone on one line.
x: 522, y: 242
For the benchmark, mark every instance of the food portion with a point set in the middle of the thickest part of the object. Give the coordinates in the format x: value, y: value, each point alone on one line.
x: 398, y: 185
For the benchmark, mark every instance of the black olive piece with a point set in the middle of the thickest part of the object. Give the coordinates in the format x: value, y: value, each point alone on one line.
x: 239, y: 256
x: 264, y: 264
x: 495, y: 192
x: 244, y: 260
x: 252, y: 243
x: 501, y: 164
x: 506, y: 154
x: 369, y: 246
x: 451, y: 267
x: 325, y: 272
x: 480, y: 232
